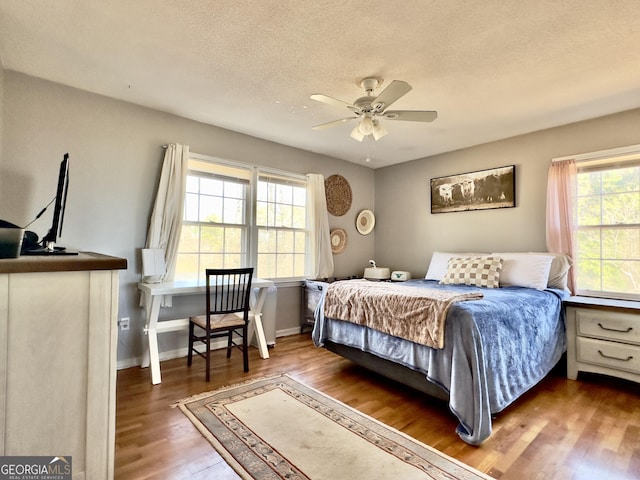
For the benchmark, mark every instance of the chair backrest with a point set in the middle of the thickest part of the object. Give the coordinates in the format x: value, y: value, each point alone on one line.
x: 228, y: 290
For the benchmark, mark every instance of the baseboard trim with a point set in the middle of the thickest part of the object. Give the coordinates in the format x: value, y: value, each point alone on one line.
x: 288, y: 331
x: 182, y: 352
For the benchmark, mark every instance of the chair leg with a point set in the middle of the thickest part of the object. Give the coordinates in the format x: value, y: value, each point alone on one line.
x: 208, y: 358
x: 245, y: 349
x: 190, y: 353
x: 229, y: 343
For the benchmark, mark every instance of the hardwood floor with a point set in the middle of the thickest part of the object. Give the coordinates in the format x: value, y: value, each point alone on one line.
x: 562, y: 429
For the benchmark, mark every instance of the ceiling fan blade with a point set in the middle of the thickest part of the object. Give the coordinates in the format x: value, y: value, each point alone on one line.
x: 318, y: 97
x: 393, y: 92
x: 411, y: 115
x: 334, y: 123
x: 356, y: 134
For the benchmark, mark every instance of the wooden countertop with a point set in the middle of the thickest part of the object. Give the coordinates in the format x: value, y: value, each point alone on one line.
x: 62, y: 263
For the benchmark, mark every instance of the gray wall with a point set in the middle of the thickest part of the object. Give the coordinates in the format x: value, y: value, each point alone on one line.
x: 407, y: 233
x: 1, y: 116
x: 116, y: 156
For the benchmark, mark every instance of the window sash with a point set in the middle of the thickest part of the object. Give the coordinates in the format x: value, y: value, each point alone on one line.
x: 281, y: 227
x: 284, y: 220
x: 607, y: 259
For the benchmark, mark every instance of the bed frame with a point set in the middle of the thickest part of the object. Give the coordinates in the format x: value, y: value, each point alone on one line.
x: 394, y: 371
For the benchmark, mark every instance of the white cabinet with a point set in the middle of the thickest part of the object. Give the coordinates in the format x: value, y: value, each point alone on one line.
x: 603, y: 336
x: 58, y: 339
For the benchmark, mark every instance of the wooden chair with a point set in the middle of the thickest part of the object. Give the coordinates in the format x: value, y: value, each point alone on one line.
x: 227, y: 313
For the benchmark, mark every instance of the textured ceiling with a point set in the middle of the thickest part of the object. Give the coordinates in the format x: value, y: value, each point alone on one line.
x: 492, y: 69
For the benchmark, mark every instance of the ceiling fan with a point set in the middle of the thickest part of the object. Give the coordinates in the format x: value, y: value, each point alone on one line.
x: 369, y: 109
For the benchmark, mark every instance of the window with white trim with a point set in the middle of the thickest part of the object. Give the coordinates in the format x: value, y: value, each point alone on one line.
x: 239, y: 215
x: 607, y: 256
x: 281, y: 223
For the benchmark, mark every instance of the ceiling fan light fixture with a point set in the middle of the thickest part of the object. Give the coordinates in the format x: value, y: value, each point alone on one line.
x: 378, y: 130
x: 370, y: 108
x: 366, y: 125
x: 356, y: 134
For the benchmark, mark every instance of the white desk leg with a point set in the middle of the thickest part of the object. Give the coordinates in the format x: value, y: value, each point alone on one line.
x: 257, y: 315
x: 152, y: 357
x: 262, y: 341
x: 145, y: 347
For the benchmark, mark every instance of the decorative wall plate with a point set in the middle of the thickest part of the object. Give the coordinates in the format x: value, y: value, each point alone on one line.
x: 365, y: 222
x: 338, y: 240
x: 338, y: 193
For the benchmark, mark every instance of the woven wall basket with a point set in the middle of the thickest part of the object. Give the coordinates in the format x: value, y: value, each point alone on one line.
x: 338, y: 193
x: 338, y: 240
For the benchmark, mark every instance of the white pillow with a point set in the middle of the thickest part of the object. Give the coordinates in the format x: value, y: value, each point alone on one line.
x: 525, y: 270
x: 559, y: 273
x: 439, y: 261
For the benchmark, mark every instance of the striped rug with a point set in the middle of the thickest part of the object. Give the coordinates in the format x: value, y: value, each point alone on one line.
x: 277, y: 428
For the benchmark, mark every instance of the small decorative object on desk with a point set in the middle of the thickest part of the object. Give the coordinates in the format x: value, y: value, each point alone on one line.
x: 11, y: 242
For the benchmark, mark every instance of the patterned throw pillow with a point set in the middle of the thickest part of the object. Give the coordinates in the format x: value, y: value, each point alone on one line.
x: 478, y: 271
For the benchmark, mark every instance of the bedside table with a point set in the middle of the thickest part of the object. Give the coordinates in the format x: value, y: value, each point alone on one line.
x: 312, y: 291
x: 603, y: 336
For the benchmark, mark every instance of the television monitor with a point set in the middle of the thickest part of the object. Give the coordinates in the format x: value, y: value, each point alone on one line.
x: 48, y: 244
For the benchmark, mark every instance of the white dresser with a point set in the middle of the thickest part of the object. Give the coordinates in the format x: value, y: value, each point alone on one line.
x: 58, y: 339
x: 603, y: 336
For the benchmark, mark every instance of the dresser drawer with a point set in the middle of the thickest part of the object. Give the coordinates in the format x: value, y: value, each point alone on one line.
x: 609, y: 354
x: 610, y: 325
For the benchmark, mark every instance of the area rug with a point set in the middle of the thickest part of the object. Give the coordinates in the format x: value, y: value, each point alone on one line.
x: 277, y: 428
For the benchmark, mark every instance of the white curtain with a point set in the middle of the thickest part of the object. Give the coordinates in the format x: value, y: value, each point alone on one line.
x: 320, y: 259
x: 166, y: 219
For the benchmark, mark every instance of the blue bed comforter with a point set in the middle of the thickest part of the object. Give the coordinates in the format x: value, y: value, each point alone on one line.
x: 495, y: 349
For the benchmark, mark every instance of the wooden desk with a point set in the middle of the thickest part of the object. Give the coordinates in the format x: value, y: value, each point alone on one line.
x: 154, y: 293
x: 58, y: 339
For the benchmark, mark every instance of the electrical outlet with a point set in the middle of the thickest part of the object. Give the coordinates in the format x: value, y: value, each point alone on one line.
x: 124, y: 323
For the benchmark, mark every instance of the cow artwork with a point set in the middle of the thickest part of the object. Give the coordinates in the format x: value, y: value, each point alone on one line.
x: 481, y: 190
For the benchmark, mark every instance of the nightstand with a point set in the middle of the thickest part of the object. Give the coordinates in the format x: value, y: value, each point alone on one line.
x: 312, y: 291
x: 603, y: 336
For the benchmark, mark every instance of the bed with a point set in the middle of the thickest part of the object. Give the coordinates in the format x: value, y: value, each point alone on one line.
x: 495, y: 348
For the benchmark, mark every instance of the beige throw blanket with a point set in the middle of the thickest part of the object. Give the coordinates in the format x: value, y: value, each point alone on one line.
x: 413, y: 313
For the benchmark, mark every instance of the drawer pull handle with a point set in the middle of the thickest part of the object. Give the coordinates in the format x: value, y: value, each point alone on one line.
x: 615, y: 358
x: 615, y: 329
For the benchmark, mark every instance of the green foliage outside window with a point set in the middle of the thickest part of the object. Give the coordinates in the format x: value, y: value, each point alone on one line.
x: 281, y: 221
x: 217, y: 231
x: 608, y: 236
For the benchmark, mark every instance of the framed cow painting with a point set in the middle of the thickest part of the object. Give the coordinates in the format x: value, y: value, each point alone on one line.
x: 481, y: 190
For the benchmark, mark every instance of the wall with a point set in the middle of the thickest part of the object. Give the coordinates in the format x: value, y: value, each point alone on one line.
x: 116, y: 155
x: 407, y: 233
x: 1, y: 115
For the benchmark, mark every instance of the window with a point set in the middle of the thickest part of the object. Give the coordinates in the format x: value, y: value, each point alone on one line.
x: 281, y: 223
x: 220, y: 229
x: 607, y: 255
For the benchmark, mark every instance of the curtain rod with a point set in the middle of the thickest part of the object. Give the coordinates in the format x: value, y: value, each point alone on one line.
x: 601, y: 154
